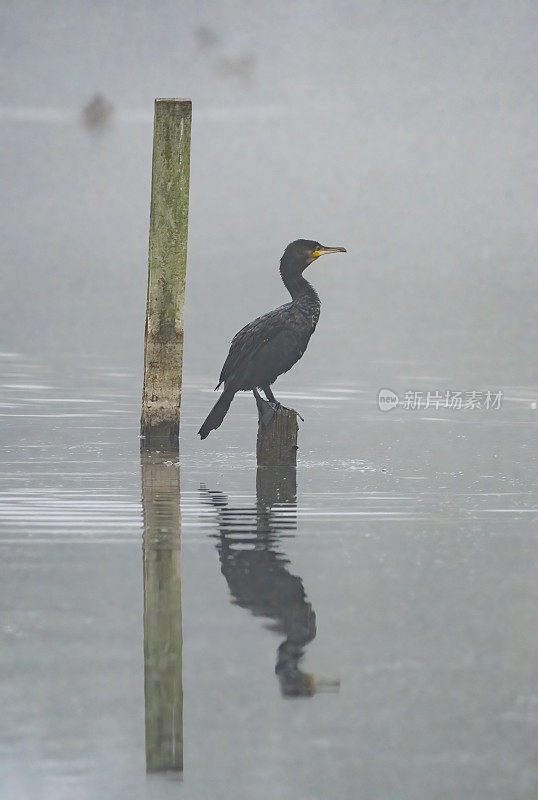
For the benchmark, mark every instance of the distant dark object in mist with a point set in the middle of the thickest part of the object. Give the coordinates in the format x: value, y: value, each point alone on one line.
x: 98, y: 112
x: 206, y: 37
x: 236, y: 66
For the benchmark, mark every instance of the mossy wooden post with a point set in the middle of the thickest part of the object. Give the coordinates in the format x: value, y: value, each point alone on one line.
x: 277, y: 440
x: 163, y: 351
x: 161, y: 552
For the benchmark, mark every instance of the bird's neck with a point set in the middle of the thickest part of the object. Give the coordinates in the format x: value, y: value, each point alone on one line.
x: 299, y: 288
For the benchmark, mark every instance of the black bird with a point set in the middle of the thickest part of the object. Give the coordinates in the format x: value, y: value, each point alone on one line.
x: 271, y: 344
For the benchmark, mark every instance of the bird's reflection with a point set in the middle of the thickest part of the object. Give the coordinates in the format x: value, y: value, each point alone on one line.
x: 256, y: 570
x: 162, y: 613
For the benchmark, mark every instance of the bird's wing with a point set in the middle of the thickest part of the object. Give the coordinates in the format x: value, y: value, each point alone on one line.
x: 250, y: 339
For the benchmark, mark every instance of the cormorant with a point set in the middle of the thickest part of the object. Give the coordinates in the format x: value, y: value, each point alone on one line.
x: 271, y: 344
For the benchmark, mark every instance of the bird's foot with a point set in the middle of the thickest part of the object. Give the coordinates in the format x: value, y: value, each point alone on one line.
x: 266, y: 410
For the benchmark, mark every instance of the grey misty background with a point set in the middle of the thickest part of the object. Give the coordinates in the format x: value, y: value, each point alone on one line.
x: 406, y: 132
x: 403, y: 130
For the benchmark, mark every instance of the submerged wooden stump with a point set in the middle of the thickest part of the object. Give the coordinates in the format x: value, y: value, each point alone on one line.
x: 277, y: 440
x: 276, y: 485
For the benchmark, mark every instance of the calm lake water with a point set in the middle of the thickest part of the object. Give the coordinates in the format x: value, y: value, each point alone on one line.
x: 397, y: 567
x: 364, y: 628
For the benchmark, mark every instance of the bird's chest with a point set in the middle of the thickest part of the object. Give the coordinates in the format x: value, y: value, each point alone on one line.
x: 306, y: 320
x: 314, y: 317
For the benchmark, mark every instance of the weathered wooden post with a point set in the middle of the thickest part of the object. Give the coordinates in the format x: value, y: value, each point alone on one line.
x: 168, y: 226
x: 276, y: 445
x: 163, y: 688
x: 276, y: 485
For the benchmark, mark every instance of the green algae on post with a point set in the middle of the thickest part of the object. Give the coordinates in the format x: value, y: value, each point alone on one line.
x: 167, y: 263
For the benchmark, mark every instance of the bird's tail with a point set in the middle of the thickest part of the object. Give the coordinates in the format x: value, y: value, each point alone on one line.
x: 217, y: 413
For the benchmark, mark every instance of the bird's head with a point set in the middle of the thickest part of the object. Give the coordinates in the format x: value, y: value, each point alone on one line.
x: 301, y: 253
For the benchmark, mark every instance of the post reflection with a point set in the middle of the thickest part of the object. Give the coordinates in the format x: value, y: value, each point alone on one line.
x: 256, y: 570
x: 163, y: 688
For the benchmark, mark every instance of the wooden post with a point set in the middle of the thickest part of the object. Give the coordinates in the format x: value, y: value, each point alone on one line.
x: 277, y: 440
x: 163, y: 351
x: 163, y: 688
x: 276, y: 485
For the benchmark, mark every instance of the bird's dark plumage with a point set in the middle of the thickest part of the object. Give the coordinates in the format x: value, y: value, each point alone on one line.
x: 271, y: 344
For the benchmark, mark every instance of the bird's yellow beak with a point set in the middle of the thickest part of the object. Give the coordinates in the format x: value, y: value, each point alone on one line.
x: 323, y: 251
x: 319, y: 684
